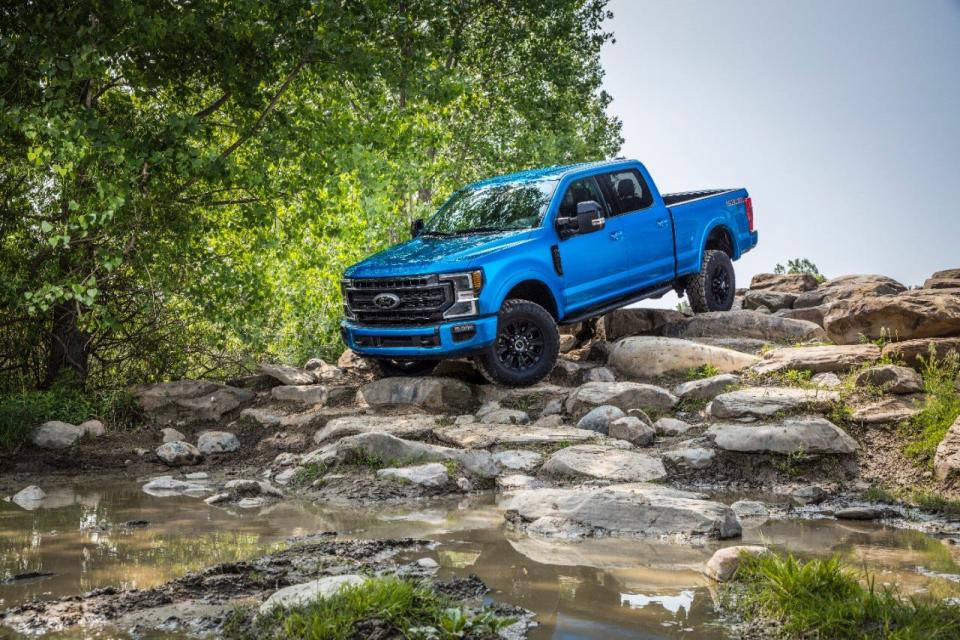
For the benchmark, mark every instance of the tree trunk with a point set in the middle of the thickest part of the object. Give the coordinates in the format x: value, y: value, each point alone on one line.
x: 68, y: 346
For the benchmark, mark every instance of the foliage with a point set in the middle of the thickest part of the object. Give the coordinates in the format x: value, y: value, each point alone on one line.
x: 182, y: 185
x: 821, y: 598
x: 940, y: 408
x: 703, y: 371
x: 414, y: 610
x: 800, y: 265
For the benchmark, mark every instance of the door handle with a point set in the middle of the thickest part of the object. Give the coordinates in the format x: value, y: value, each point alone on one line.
x: 663, y: 223
x: 616, y: 235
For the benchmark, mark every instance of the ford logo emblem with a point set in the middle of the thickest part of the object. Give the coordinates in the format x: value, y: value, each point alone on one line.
x: 386, y: 300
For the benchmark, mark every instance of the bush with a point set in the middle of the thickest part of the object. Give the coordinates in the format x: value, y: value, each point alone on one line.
x: 941, y: 406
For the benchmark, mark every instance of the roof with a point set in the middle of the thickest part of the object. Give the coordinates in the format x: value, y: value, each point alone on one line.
x: 544, y: 173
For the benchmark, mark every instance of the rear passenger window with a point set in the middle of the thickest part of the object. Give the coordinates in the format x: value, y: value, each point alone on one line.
x: 627, y: 190
x: 580, y: 191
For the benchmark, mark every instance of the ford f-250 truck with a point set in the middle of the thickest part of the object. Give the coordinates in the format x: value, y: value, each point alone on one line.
x: 506, y: 260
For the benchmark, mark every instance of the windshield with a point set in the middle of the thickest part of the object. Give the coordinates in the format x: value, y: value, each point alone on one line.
x: 499, y: 207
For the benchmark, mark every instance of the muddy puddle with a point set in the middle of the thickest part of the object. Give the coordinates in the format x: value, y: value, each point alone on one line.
x: 115, y: 534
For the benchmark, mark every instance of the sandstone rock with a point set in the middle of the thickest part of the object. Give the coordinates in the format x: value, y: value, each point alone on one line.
x: 518, y: 460
x: 725, y: 562
x: 170, y: 434
x: 891, y: 378
x: 633, y: 430
x: 671, y: 427
x: 288, y: 375
x: 189, y: 401
x: 769, y: 298
x: 705, y: 388
x: 911, y: 351
x: 946, y: 462
x: 625, y: 509
x: 56, y: 435
x: 625, y: 395
x: 29, y: 498
x: 947, y: 279
x: 638, y: 322
x: 390, y: 448
x: 810, y: 494
x: 442, y: 395
x: 603, y: 463
x: 478, y: 436
x: 598, y: 374
x: 432, y: 474
x: 411, y: 427
x: 921, y: 313
x: 792, y: 282
x: 745, y: 324
x: 691, y: 457
x: 886, y: 411
x: 300, y: 594
x: 599, y: 418
x: 217, y: 442
x: 847, y: 287
x: 793, y: 435
x: 750, y: 509
x: 303, y: 394
x: 652, y: 357
x: 817, y: 359
x: 177, y: 453
x: 764, y: 402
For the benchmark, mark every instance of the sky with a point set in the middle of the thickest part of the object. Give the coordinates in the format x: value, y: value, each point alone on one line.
x: 842, y: 118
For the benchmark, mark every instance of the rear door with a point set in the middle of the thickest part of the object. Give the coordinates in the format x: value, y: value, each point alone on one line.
x: 594, y: 264
x: 646, y: 226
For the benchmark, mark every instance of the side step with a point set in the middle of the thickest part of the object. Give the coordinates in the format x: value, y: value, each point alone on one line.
x: 590, y: 312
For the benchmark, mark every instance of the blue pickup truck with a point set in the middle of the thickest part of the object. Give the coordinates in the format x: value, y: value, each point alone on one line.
x: 506, y: 260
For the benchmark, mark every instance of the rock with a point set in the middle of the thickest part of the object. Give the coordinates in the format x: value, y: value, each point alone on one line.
x: 806, y: 435
x: 750, y: 509
x: 745, y: 324
x: 886, y: 411
x: 691, y: 457
x: 518, y: 460
x: 178, y: 454
x: 288, y: 375
x: 891, y: 378
x: 432, y: 474
x: 412, y: 427
x: 638, y: 322
x: 56, y: 435
x: 478, y: 436
x: 725, y: 562
x: 603, y: 463
x: 671, y: 427
x: 810, y: 494
x: 652, y: 357
x: 847, y: 287
x: 300, y: 594
x: 625, y: 395
x: 792, y: 282
x: 505, y: 416
x: 189, y: 401
x: 770, y: 299
x: 947, y: 279
x: 217, y: 442
x: 764, y: 402
x: 911, y: 351
x: 29, y: 498
x: 390, y: 448
x: 808, y: 314
x: 633, y: 430
x: 599, y: 418
x: 817, y: 359
x: 171, y: 435
x: 92, y: 428
x: 858, y: 513
x: 946, y: 462
x: 637, y: 509
x: 921, y: 313
x: 303, y: 394
x: 826, y: 380
x: 442, y: 395
x: 705, y: 388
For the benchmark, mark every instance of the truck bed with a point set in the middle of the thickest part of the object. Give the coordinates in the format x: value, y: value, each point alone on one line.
x: 671, y: 199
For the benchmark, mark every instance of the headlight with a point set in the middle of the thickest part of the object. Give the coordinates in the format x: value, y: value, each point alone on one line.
x: 466, y: 293
x: 344, y: 285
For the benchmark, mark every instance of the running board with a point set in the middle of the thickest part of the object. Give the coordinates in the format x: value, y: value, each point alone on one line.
x: 591, y: 312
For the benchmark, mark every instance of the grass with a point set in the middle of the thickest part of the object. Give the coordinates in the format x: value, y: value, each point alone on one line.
x: 823, y: 599
x: 703, y: 371
x: 409, y: 609
x: 940, y: 408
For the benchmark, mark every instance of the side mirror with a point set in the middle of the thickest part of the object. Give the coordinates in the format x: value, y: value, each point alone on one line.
x: 416, y: 227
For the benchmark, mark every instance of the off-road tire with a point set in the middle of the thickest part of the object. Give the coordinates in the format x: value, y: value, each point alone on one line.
x: 526, y: 324
x: 393, y: 368
x: 714, y: 288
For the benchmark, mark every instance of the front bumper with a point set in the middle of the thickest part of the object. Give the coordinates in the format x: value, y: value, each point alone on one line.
x: 430, y: 341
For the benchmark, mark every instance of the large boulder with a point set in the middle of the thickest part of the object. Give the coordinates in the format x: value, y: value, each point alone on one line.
x: 947, y: 279
x: 921, y: 313
x: 56, y: 435
x: 441, y: 395
x: 482, y: 436
x: 848, y: 287
x: 629, y: 509
x: 637, y: 322
x: 769, y: 299
x: 393, y: 450
x: 817, y: 359
x: 624, y: 395
x: 765, y: 402
x: 603, y: 463
x: 912, y: 351
x: 792, y: 435
x: 189, y: 401
x: 946, y: 462
x: 891, y: 378
x: 285, y: 374
x: 412, y: 427
x: 745, y: 324
x: 651, y: 357
x: 178, y: 454
x: 791, y: 282
x: 705, y: 388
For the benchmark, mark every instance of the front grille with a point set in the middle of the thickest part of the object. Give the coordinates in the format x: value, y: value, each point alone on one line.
x: 423, y: 300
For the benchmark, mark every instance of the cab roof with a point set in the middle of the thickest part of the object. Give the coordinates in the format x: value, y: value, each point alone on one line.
x: 544, y: 173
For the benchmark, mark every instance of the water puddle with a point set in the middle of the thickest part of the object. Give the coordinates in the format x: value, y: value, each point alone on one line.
x: 115, y: 534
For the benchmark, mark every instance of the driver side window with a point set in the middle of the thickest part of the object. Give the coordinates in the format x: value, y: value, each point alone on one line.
x: 582, y: 190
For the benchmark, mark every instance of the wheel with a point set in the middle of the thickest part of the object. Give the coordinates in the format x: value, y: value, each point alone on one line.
x: 526, y: 347
x: 385, y: 368
x: 715, y: 286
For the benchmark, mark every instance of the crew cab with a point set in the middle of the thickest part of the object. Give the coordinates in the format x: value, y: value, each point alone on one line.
x: 506, y: 260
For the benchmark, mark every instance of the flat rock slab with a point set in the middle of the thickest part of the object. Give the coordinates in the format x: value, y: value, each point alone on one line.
x: 764, y: 402
x: 483, y: 436
x: 629, y: 509
x: 652, y: 357
x: 603, y: 463
x: 623, y: 395
x: 441, y: 395
x: 411, y: 427
x: 818, y: 359
x: 793, y: 435
x: 886, y: 411
x: 745, y: 324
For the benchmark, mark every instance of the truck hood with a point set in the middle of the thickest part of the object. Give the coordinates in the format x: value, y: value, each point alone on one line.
x: 425, y: 255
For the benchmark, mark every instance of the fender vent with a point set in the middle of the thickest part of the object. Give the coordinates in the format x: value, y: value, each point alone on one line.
x: 557, y: 265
